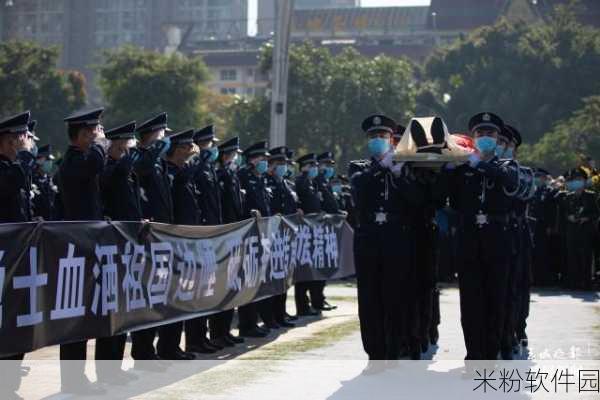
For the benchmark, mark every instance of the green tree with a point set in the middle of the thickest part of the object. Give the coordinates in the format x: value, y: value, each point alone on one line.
x: 560, y: 148
x: 533, y: 75
x: 30, y: 80
x: 136, y: 83
x: 328, y: 97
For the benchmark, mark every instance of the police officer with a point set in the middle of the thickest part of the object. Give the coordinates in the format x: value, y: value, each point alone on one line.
x: 208, y: 198
x: 283, y: 201
x: 581, y: 213
x: 543, y: 212
x: 44, y: 188
x: 384, y: 195
x: 121, y: 201
x: 185, y: 212
x: 14, y: 198
x: 477, y: 195
x: 253, y: 181
x: 78, y: 179
x: 157, y: 205
x: 232, y: 206
x: 309, y: 201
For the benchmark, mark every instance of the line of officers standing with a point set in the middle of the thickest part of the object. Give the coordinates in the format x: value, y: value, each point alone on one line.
x: 397, y: 240
x: 140, y: 172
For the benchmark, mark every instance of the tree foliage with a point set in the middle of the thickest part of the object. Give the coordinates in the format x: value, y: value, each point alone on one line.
x: 30, y: 80
x: 329, y: 95
x: 136, y: 83
x: 533, y: 75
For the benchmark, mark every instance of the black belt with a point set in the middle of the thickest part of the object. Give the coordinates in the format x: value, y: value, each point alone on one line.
x: 481, y: 220
x: 384, y: 218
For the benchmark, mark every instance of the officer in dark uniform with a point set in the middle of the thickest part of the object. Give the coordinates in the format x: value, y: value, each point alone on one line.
x: 208, y: 198
x: 232, y: 206
x: 477, y: 194
x: 78, y: 179
x: 155, y: 196
x: 44, y: 188
x: 283, y: 202
x: 309, y: 201
x: 121, y: 201
x: 185, y: 212
x: 253, y: 181
x: 329, y: 205
x: 581, y: 213
x: 384, y: 195
x: 14, y: 200
x: 543, y: 214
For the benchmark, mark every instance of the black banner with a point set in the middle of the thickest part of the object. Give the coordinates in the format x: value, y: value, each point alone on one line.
x: 67, y: 281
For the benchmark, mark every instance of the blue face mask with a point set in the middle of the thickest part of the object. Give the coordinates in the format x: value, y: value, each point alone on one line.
x: 575, y: 185
x: 281, y: 170
x: 378, y: 146
x: 214, y: 154
x: 500, y: 150
x: 336, y: 188
x: 508, y: 153
x: 328, y: 172
x: 262, y: 166
x: 166, y: 141
x: 313, y: 172
x: 485, y: 144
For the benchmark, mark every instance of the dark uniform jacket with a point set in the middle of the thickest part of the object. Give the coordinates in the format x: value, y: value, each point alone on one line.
x: 329, y: 203
x: 209, y: 194
x: 44, y: 194
x: 232, y: 196
x: 580, y: 205
x: 283, y: 198
x: 184, y: 194
x: 79, y: 183
x: 257, y: 196
x: 379, y: 195
x: 309, y: 199
x: 121, y: 190
x: 15, y: 205
x: 155, y: 188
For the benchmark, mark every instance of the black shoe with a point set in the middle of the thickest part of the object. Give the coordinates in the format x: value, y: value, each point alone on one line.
x: 211, y: 343
x: 253, y: 333
x: 327, y: 307
x: 223, y: 342
x: 83, y: 388
x: 201, y: 349
x: 286, y: 324
x: 184, y: 355
x: 311, y: 312
x: 272, y: 325
x: 230, y: 343
x: 291, y: 317
x: 235, y: 339
x: 263, y: 329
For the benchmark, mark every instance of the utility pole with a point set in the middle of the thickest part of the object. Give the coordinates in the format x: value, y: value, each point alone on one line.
x: 283, y: 14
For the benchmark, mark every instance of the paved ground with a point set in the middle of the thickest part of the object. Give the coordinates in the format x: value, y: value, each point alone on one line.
x: 323, y: 358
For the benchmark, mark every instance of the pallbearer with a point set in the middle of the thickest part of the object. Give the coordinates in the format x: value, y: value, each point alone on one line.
x: 383, y: 249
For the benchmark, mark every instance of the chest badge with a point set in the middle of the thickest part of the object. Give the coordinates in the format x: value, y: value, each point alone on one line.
x: 481, y: 219
x: 380, y: 218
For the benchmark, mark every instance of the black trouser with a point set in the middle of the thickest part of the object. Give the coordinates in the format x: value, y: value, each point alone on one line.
x: 265, y: 309
x: 109, y: 348
x: 279, y: 307
x: 247, y: 317
x: 482, y: 283
x: 544, y: 273
x: 579, y: 255
x: 317, y: 294
x: 142, y: 344
x: 196, y: 330
x: 220, y: 324
x: 385, y: 272
x: 169, y: 337
x: 425, y: 244
x: 301, y: 297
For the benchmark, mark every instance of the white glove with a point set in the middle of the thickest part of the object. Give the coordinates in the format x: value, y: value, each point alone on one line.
x: 397, y: 169
x: 474, y: 159
x: 388, y: 160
